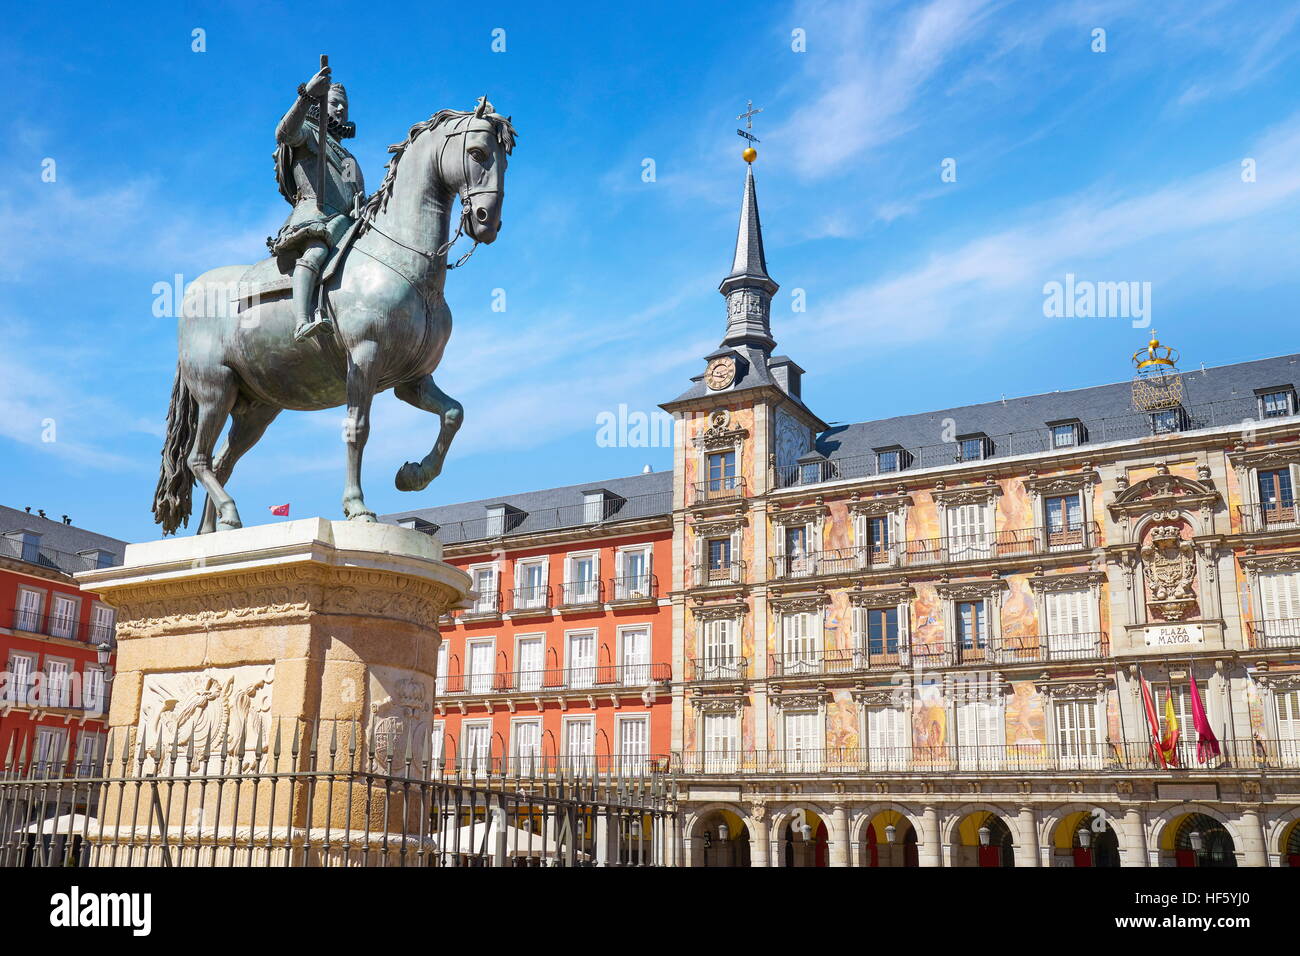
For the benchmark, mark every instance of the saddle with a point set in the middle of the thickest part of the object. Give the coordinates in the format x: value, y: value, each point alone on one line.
x: 272, y: 278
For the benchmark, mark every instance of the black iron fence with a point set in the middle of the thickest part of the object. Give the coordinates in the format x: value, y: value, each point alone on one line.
x: 53, y: 624
x: 1270, y: 516
x: 329, y: 794
x: 53, y: 559
x: 1277, y: 632
x: 552, y: 519
x: 591, y: 676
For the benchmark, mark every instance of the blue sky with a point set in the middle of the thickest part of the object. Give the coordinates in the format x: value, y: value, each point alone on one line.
x: 1123, y: 165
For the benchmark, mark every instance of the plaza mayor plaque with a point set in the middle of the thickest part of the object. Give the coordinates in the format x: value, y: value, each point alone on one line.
x: 1175, y: 635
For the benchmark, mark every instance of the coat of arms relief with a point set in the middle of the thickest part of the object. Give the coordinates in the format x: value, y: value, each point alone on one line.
x: 1169, y: 563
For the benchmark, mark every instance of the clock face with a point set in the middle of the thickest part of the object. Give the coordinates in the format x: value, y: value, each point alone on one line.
x: 720, y: 373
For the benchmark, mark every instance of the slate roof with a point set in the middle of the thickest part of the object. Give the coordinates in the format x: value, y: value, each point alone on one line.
x: 60, y: 543
x: 644, y: 496
x: 1214, y: 396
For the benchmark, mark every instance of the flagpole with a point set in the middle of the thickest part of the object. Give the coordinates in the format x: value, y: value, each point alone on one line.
x: 1119, y: 702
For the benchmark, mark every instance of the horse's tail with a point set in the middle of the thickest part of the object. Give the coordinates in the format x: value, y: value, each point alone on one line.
x: 172, y: 499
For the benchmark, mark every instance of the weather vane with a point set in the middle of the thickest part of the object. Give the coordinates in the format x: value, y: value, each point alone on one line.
x: 749, y: 154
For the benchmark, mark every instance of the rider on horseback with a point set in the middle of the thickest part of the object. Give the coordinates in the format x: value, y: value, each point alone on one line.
x: 314, y: 228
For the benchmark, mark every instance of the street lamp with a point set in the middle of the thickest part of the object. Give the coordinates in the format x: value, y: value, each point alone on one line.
x: 1085, y: 838
x: 806, y: 830
x: 891, y: 831
x: 1196, y: 840
x: 723, y: 833
x: 986, y: 835
x: 103, y: 652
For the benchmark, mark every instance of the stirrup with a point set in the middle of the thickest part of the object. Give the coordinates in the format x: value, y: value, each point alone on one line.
x: 320, y: 324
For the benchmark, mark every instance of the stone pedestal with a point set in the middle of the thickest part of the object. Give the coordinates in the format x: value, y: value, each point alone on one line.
x: 272, y: 654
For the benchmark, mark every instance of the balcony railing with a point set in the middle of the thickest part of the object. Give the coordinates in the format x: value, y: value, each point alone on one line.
x: 887, y: 654
x: 50, y: 558
x: 724, y: 667
x: 638, y: 587
x: 582, y: 593
x: 1280, y: 632
x: 713, y: 575
x: 487, y: 604
x: 1249, y: 756
x: 53, y: 625
x: 595, y: 676
x: 946, y: 550
x: 1269, y: 517
x: 551, y: 765
x: 720, y: 489
x: 1129, y: 427
x: 536, y: 598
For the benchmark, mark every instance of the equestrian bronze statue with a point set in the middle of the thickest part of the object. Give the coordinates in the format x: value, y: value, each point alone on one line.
x: 380, y: 267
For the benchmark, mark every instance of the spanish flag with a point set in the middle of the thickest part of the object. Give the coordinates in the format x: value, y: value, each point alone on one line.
x: 1169, y: 743
x: 1161, y: 748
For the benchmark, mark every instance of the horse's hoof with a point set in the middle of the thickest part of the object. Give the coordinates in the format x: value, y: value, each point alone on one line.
x: 409, y: 477
x: 232, y: 525
x: 366, y: 516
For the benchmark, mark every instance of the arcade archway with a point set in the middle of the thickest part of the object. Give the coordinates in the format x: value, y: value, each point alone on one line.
x: 889, y: 839
x: 983, y: 838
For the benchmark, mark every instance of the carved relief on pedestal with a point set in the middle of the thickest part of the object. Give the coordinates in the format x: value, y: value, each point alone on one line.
x: 219, y: 713
x: 400, y: 717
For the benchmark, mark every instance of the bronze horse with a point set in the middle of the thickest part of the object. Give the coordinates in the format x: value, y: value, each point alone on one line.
x: 238, y: 357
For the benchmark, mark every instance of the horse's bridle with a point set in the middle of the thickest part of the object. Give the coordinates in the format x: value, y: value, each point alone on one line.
x: 466, y: 194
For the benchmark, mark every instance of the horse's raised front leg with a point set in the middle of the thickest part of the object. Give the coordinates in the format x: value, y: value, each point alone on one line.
x: 356, y: 429
x: 248, y: 422
x: 215, y: 397
x: 423, y: 394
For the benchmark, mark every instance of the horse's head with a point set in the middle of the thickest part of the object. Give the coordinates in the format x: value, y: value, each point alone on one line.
x: 473, y: 163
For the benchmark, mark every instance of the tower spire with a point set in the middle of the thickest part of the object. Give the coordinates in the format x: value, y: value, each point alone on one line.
x: 748, y: 288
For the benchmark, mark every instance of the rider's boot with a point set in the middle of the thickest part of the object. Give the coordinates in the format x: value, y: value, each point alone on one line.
x: 305, y: 276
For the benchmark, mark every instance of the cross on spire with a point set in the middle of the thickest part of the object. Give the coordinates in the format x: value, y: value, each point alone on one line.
x: 749, y: 113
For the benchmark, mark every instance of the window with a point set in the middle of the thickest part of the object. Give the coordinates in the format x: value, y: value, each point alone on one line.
x: 634, y: 574
x: 496, y: 521
x: 1185, y: 754
x: 1279, y: 593
x: 972, y: 447
x: 28, y: 615
x: 485, y: 583
x: 1275, y: 491
x: 1065, y: 434
x: 719, y: 554
x: 579, y: 743
x: 581, y: 585
x: 874, y: 538
x: 440, y: 685
x: 633, y: 744
x: 593, y: 507
x: 889, y: 737
x: 635, y: 651
x: 801, y: 639
x: 803, y: 740
x: 526, y: 738
x: 19, y: 686
x: 1166, y: 421
x: 718, y: 654
x: 1287, y: 703
x: 882, y: 630
x: 101, y: 623
x: 582, y: 659
x: 971, y: 632
x: 1277, y: 403
x: 63, y: 616
x: 530, y: 580
x: 890, y: 459
x: 50, y: 742
x: 439, y: 742
x: 1064, y: 522
x: 1071, y: 624
x: 720, y: 737
x: 92, y: 690
x: 90, y: 750
x: 57, y: 682
x: 980, y: 734
x: 722, y: 471
x: 1077, y: 745
x: 528, y: 663
x: 968, y: 537
x: 797, y: 560
x: 477, y: 751
x: 481, y: 656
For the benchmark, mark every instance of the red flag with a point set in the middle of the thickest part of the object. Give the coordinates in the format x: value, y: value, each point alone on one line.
x: 1153, y: 722
x: 1207, y: 745
x: 281, y: 510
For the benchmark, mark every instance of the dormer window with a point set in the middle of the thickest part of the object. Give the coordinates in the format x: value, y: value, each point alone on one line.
x: 1066, y: 434
x: 99, y: 558
x: 1276, y: 402
x: 417, y: 524
x: 502, y: 519
x: 891, y: 458
x: 598, y: 504
x: 974, y: 447
x: 1167, y: 421
x: 28, y: 545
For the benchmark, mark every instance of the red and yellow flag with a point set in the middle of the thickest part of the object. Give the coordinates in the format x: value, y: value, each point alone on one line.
x: 1169, y: 743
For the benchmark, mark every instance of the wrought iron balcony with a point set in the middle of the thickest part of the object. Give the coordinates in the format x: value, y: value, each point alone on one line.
x: 890, y: 654
x: 582, y: 593
x: 725, y: 667
x: 1279, y: 632
x: 549, y: 680
x: 728, y: 488
x: 527, y: 766
x: 486, y: 605
x: 950, y: 549
x: 54, y: 625
x: 710, y: 574
x: 536, y: 599
x: 55, y: 560
x: 1269, y: 517
x: 1136, y: 756
x: 630, y: 590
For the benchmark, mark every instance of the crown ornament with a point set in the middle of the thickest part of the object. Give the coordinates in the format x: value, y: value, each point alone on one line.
x: 1157, y: 385
x: 1155, y: 356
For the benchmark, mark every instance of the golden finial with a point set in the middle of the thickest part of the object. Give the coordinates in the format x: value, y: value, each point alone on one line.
x: 1155, y: 355
x: 750, y: 154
